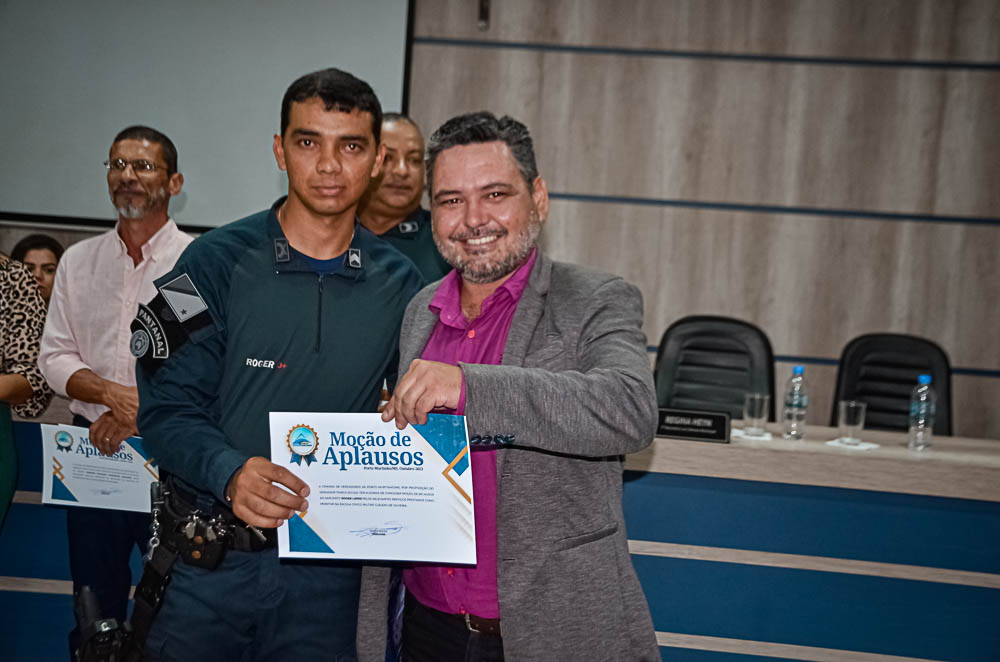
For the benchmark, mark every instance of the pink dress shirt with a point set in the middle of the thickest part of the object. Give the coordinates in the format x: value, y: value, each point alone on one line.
x: 465, y: 589
x: 94, y: 300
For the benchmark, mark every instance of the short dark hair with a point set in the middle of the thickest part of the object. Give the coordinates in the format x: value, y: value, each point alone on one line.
x: 34, y: 242
x: 139, y: 132
x: 338, y: 90
x: 484, y: 127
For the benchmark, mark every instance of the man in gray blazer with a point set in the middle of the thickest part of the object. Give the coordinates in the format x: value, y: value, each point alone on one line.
x: 548, y: 363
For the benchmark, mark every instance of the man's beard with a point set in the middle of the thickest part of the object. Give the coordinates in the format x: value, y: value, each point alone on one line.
x: 489, y: 272
x: 155, y: 198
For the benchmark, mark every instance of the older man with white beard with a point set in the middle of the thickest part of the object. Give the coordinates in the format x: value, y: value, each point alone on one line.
x: 85, y: 346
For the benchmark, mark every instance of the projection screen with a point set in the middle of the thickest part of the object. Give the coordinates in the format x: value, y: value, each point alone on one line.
x: 209, y: 74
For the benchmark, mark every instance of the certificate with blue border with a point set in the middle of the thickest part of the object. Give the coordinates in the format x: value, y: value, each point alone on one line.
x: 75, y: 473
x: 377, y: 493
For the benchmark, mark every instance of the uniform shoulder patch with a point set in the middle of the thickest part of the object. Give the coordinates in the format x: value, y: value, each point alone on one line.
x: 158, y: 330
x: 149, y: 335
x: 183, y: 298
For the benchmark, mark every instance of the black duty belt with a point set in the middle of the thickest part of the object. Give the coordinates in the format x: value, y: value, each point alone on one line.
x: 216, y: 521
x: 198, y: 529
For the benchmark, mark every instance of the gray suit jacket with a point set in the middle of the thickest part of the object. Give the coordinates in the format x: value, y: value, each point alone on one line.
x: 576, y: 391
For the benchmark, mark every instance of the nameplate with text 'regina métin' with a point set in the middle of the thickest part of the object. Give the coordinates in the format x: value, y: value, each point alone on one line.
x: 694, y: 425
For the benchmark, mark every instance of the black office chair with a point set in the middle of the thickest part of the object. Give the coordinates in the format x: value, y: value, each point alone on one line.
x: 709, y: 363
x: 881, y: 369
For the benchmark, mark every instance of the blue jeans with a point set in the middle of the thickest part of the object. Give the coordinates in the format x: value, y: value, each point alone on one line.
x: 100, y: 544
x: 254, y: 607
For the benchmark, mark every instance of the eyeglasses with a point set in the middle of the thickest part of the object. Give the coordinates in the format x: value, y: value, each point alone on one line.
x: 138, y: 165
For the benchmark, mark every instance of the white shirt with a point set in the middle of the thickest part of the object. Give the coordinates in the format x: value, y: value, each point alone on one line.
x: 96, y: 294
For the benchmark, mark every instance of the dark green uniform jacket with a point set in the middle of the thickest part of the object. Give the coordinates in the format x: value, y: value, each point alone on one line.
x: 243, y: 326
x: 413, y: 238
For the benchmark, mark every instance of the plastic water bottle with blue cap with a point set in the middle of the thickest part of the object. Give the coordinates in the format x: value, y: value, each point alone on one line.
x: 796, y: 404
x: 923, y: 406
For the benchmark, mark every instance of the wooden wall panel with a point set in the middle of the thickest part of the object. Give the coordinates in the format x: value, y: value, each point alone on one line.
x: 920, y: 141
x: 818, y: 200
x: 968, y: 162
x: 13, y: 232
x: 879, y: 29
x: 811, y: 283
x: 977, y: 406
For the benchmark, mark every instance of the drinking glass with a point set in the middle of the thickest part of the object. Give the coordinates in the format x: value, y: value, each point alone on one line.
x: 754, y: 414
x: 852, y: 420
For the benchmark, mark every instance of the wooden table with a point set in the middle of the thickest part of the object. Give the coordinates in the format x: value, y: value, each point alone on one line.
x: 952, y: 467
x: 800, y: 550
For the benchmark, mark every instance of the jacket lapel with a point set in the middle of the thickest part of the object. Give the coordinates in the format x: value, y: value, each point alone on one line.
x: 522, y: 328
x: 528, y: 313
x: 412, y: 343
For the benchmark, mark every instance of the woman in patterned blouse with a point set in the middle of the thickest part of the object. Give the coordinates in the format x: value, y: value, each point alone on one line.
x: 22, y: 316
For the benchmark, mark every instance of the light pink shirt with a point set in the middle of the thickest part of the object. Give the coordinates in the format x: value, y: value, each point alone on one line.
x: 94, y: 300
x: 470, y: 589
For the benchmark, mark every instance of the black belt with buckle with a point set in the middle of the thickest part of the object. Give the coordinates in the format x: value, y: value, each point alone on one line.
x: 485, y: 626
x: 488, y: 626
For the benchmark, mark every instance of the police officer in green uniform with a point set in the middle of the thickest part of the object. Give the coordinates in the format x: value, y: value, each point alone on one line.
x: 296, y: 308
x: 391, y: 209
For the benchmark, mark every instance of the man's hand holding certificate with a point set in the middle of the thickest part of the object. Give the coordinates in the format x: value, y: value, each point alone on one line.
x: 376, y: 492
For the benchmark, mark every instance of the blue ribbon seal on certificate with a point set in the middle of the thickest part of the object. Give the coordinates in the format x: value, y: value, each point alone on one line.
x: 64, y: 441
x: 303, y: 442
